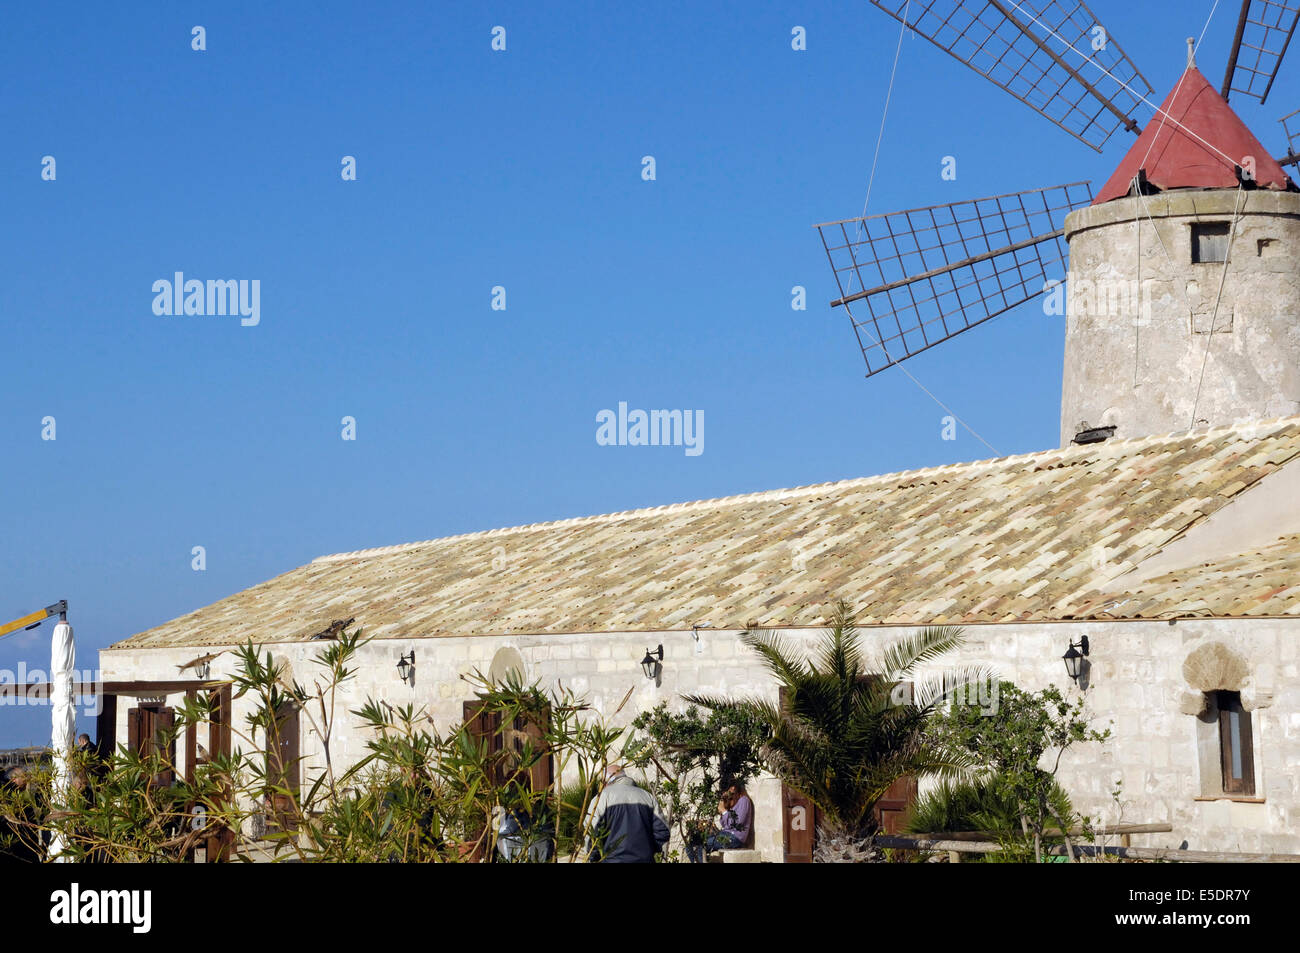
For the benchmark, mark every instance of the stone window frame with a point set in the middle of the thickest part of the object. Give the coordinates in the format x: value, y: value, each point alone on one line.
x: 1214, y: 748
x: 1209, y: 668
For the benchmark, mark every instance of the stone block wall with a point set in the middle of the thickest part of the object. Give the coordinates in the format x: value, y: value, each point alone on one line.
x: 1136, y: 684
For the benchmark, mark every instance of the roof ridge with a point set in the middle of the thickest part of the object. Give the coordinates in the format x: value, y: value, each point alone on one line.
x: 1076, y: 454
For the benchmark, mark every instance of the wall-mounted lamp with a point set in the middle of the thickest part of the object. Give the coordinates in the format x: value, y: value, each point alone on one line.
x: 695, y: 634
x: 406, y: 667
x: 1074, y: 657
x: 203, y: 669
x: 649, y: 664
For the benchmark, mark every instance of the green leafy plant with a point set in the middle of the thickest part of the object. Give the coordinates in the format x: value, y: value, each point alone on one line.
x: 417, y: 795
x: 695, y: 757
x: 847, y: 732
x: 1020, y: 743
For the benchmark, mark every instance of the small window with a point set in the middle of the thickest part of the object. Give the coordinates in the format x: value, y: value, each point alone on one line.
x: 1209, y: 242
x: 1236, y: 746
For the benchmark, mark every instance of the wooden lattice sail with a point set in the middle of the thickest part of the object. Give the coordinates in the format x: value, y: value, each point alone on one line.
x: 1264, y: 31
x: 1052, y: 55
x: 916, y: 278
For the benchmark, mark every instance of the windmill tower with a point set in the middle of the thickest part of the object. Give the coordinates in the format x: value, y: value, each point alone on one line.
x: 1184, y: 303
x: 1183, y: 291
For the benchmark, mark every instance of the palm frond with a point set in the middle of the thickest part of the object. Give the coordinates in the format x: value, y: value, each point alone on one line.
x: 777, y: 655
x: 902, y: 657
x: 966, y: 681
x: 839, y: 654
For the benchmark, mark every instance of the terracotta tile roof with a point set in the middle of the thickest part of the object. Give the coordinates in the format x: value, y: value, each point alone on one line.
x: 1035, y: 537
x: 1238, y: 585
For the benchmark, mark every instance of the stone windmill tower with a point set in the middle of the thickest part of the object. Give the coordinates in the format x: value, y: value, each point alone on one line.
x: 1184, y: 305
x: 1182, y: 300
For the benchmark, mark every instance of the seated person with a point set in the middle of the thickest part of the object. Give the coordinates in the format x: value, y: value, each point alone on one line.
x: 735, y: 823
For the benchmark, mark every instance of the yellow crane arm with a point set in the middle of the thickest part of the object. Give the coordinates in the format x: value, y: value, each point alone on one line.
x: 35, y: 619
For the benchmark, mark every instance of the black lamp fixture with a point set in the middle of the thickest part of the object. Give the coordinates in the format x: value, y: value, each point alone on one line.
x: 406, y: 667
x: 649, y: 664
x: 1074, y: 657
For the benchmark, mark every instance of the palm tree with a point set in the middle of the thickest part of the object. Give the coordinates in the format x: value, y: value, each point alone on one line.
x: 843, y: 735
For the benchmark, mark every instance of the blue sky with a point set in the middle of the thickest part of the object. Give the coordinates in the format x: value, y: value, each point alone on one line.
x: 474, y: 169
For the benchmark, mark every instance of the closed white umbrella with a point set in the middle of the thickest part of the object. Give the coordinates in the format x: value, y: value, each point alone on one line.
x: 63, y: 655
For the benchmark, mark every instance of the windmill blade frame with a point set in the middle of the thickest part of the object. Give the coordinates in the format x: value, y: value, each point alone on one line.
x: 1042, y: 52
x: 1292, y: 139
x: 928, y: 274
x: 1263, y: 30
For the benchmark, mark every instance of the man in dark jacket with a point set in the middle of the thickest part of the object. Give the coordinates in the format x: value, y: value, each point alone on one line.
x: 625, y: 823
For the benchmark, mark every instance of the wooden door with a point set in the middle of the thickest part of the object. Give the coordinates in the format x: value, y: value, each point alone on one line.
x: 221, y: 842
x: 505, y: 746
x: 798, y: 820
x: 798, y: 826
x: 282, y: 768
x: 891, y: 810
x: 149, y: 734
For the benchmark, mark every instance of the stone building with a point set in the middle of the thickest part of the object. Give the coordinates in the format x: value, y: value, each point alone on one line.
x: 1174, y: 548
x: 1160, y: 336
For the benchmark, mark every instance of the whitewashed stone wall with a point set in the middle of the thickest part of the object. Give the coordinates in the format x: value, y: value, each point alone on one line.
x: 1136, y: 684
x: 1140, y: 313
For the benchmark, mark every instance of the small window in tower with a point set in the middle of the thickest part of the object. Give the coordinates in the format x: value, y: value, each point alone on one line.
x: 1209, y: 242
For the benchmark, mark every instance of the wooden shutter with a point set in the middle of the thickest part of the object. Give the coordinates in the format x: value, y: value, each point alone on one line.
x: 798, y: 826
x: 221, y: 843
x: 282, y: 767
x: 541, y: 774
x: 1236, y: 745
x: 191, y: 743
x: 163, y: 722
x: 106, y: 726
x: 891, y: 810
x: 798, y: 820
x: 483, y: 728
x: 133, y: 731
x: 478, y: 721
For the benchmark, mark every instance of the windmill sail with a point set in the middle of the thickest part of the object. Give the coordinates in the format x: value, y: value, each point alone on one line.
x: 1264, y: 32
x: 925, y: 275
x: 1052, y: 55
x: 1292, y: 157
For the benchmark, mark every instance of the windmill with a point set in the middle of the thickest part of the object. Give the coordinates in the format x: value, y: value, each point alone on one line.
x: 919, y: 277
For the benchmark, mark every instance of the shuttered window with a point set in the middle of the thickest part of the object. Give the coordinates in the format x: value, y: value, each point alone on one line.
x: 1209, y: 242
x: 149, y: 733
x: 1236, y: 745
x: 506, y: 746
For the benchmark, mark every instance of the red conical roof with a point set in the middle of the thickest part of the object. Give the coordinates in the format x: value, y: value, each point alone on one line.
x: 1199, y: 152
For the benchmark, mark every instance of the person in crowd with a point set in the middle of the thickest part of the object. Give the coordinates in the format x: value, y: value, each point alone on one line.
x: 525, y: 829
x: 625, y: 825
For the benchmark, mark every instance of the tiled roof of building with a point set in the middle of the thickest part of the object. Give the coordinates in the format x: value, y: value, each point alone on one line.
x: 1237, y: 585
x: 1037, y: 537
